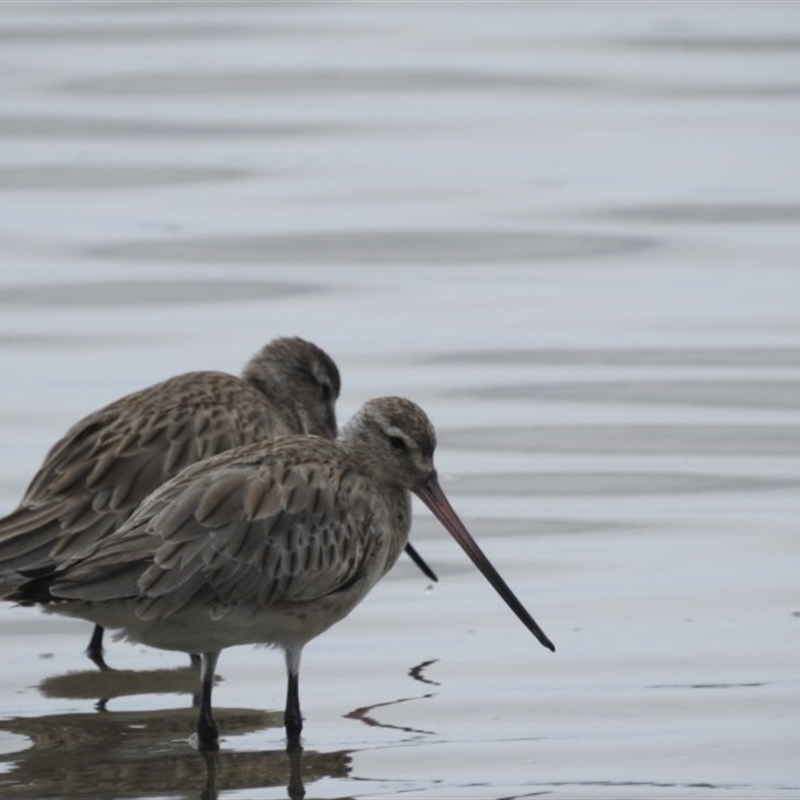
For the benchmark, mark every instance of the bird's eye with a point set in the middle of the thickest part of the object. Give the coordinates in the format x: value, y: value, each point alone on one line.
x: 326, y: 392
x: 397, y: 443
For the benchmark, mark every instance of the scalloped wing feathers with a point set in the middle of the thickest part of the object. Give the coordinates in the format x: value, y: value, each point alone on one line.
x: 94, y: 477
x: 239, y: 531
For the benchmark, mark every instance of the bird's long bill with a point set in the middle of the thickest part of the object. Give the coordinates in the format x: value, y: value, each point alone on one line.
x: 421, y: 563
x: 432, y: 495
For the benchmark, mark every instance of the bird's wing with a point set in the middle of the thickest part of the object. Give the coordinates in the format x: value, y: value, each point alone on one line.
x: 236, y: 533
x: 94, y: 477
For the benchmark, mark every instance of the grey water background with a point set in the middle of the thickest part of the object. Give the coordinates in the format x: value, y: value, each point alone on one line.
x: 570, y: 232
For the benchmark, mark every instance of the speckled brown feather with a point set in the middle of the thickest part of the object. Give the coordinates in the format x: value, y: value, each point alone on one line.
x: 94, y: 477
x: 286, y: 522
x: 274, y: 524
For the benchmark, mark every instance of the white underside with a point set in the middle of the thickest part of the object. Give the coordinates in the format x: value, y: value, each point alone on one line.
x: 202, y: 629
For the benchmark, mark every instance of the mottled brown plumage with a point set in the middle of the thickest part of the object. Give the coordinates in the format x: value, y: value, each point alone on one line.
x: 271, y: 543
x: 96, y: 475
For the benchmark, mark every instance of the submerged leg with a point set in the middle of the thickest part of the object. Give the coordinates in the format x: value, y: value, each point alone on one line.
x: 210, y: 789
x: 95, y: 649
x: 292, y: 718
x: 207, y: 730
x: 295, y: 788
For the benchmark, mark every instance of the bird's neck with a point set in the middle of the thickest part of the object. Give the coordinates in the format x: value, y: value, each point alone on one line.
x: 285, y: 417
x: 400, y: 508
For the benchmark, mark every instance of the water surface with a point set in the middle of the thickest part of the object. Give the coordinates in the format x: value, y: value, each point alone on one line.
x: 570, y: 233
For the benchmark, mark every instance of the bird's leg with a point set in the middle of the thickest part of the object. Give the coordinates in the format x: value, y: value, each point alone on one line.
x: 196, y: 663
x: 207, y: 730
x: 95, y: 649
x: 292, y: 718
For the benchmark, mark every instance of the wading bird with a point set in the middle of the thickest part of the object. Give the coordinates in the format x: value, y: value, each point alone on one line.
x: 270, y: 543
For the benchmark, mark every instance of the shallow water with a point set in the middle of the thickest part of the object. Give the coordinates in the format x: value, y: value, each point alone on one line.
x: 570, y: 233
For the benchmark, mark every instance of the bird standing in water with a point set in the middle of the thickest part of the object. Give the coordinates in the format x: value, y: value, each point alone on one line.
x: 270, y: 543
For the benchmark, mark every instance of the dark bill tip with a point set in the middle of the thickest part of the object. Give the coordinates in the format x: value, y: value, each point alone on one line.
x: 421, y: 563
x: 435, y: 499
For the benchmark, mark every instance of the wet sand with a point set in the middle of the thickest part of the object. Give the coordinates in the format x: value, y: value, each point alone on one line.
x: 571, y: 237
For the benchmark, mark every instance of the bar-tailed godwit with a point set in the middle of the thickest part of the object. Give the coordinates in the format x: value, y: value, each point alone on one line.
x: 271, y: 543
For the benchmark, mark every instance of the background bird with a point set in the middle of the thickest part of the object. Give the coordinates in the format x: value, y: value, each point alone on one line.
x: 98, y: 472
x: 270, y: 543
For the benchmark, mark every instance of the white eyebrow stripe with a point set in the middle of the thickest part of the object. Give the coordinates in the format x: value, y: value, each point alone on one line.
x: 392, y: 430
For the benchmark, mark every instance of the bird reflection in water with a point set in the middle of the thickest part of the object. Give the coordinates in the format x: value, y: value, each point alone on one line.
x: 365, y: 713
x: 146, y: 752
x: 220, y: 769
